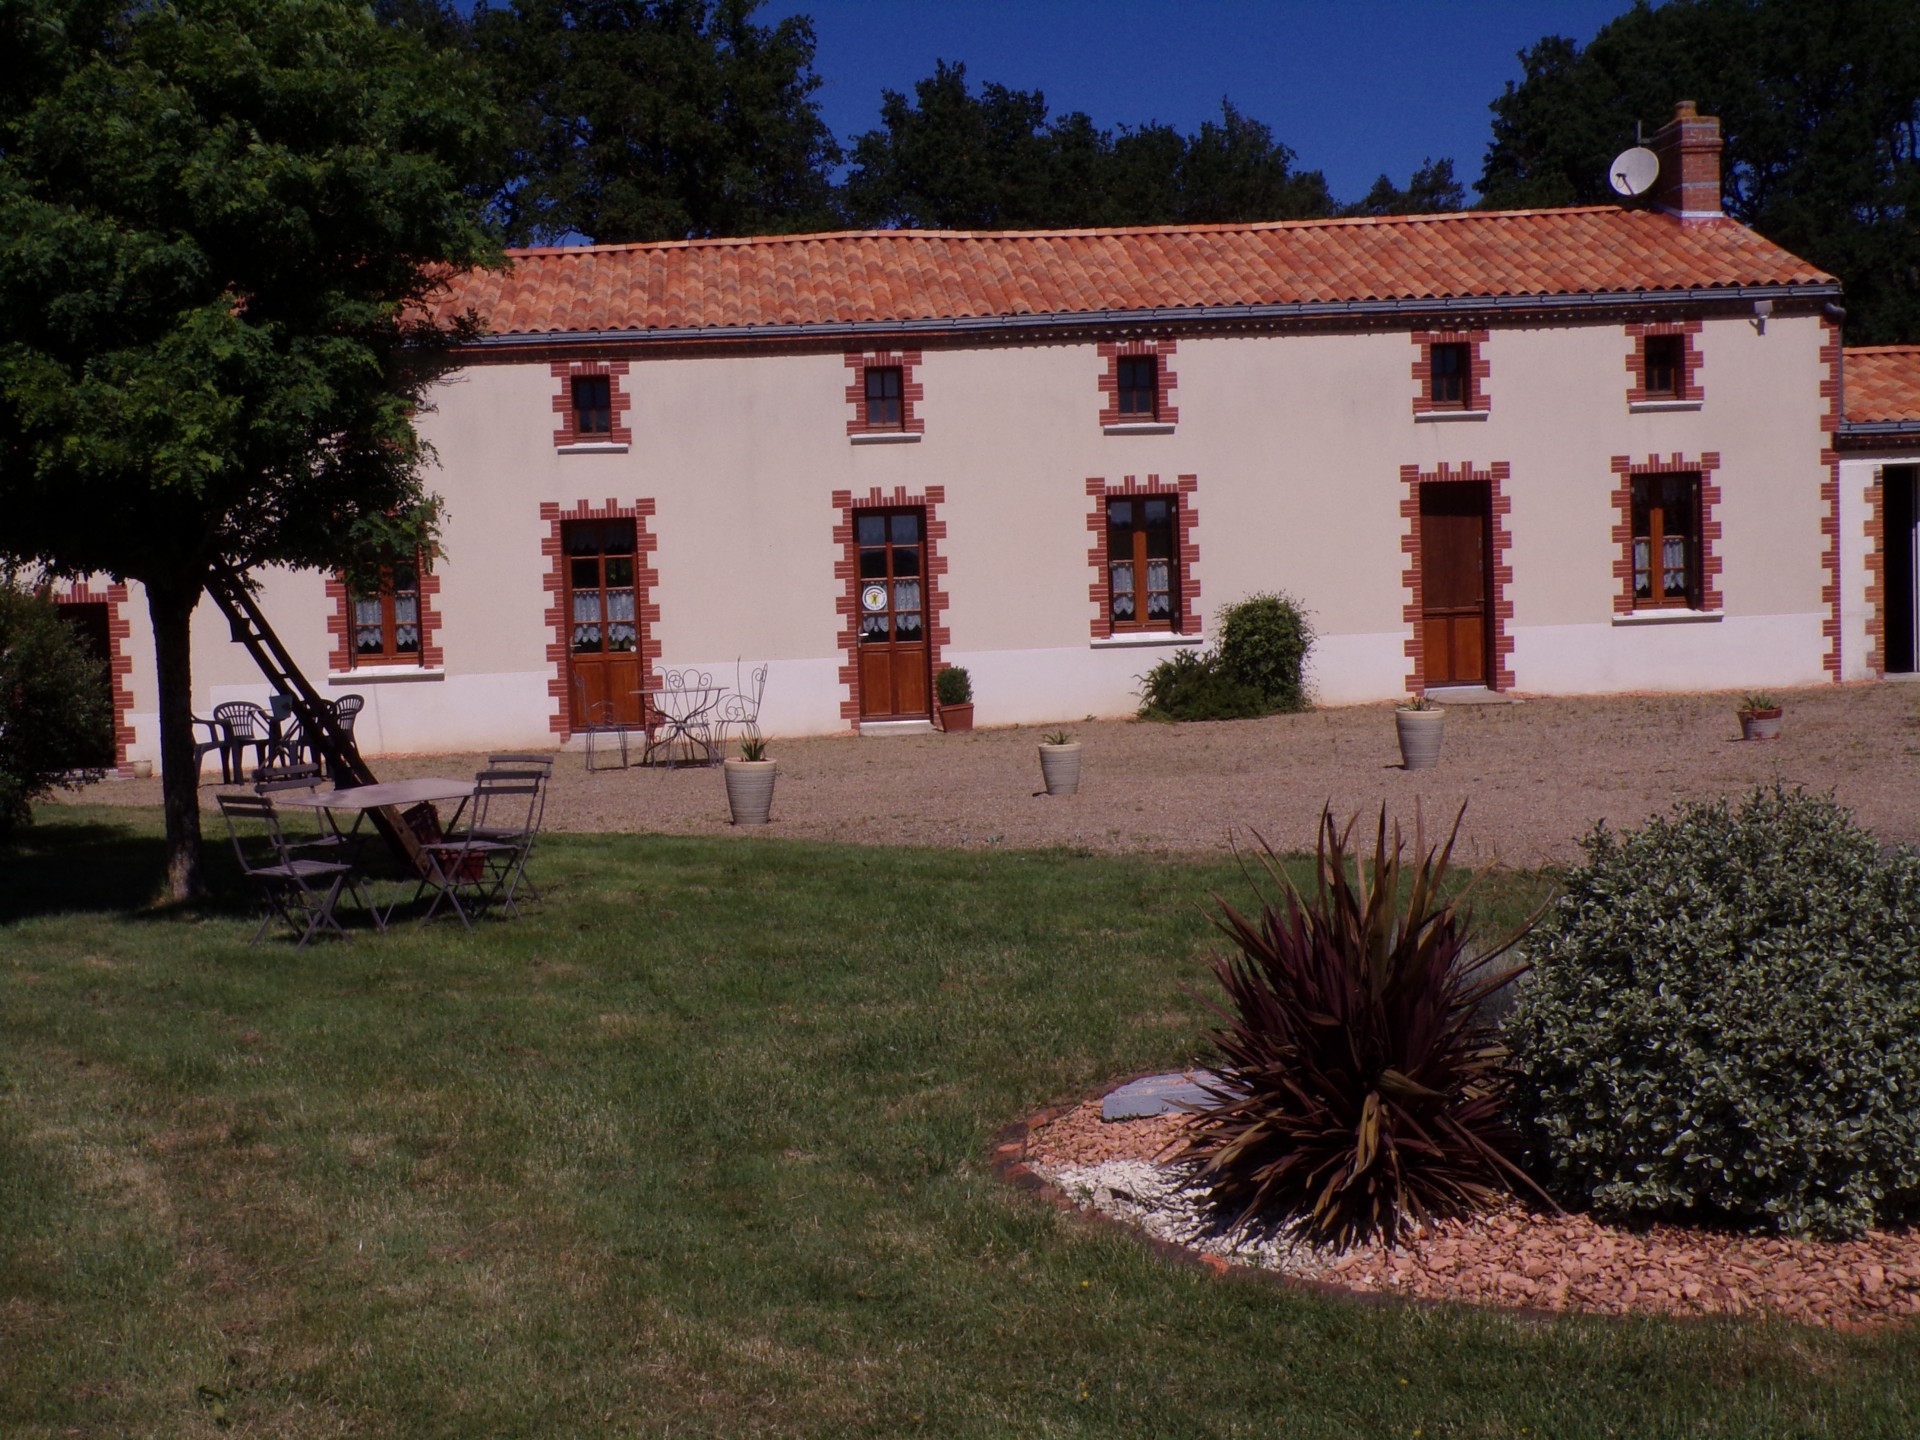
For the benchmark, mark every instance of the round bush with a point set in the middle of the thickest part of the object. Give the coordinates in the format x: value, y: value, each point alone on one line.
x: 1264, y: 641
x: 54, y: 711
x: 1723, y: 1023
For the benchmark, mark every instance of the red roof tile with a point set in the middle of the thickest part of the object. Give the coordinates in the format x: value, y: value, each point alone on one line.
x: 1882, y: 383
x: 886, y: 276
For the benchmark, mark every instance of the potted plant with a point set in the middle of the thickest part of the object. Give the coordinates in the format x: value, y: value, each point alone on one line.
x: 1419, y: 723
x: 953, y: 688
x: 1759, y: 716
x: 1060, y: 762
x: 750, y: 783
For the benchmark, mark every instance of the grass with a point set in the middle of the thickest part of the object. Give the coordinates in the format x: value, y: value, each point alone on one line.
x: 699, y: 1149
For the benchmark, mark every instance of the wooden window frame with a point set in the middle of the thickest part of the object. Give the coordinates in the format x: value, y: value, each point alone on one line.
x: 1686, y: 389
x: 912, y: 392
x: 595, y: 418
x: 1474, y: 373
x: 343, y: 627
x: 1137, y: 400
x: 1655, y: 538
x: 884, y: 411
x: 569, y: 435
x: 1184, y: 581
x: 1165, y: 413
x: 1706, y: 563
x: 1450, y: 378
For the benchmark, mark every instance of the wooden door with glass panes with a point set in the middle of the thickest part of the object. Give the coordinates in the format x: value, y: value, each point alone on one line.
x: 891, y: 603
x: 1456, y: 636
x: 604, y: 643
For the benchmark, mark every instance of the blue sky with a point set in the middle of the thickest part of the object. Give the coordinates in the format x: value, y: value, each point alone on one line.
x: 1355, y: 87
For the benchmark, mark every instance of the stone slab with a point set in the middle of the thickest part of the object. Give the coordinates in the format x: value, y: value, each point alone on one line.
x: 1155, y: 1095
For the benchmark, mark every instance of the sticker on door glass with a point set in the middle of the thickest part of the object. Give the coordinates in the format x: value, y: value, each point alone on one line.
x: 874, y: 597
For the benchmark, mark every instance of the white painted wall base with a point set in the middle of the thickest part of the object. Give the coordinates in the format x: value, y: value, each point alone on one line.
x: 1728, y: 654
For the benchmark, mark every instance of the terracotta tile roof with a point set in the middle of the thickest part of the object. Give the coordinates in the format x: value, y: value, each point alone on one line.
x: 905, y: 276
x: 1882, y: 384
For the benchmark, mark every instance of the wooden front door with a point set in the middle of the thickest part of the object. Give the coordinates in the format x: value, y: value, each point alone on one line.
x: 1455, y: 561
x: 90, y: 621
x: 1901, y: 555
x: 892, y: 609
x: 604, y: 650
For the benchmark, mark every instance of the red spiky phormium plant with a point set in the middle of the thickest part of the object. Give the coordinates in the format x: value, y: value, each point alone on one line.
x: 1357, y: 1091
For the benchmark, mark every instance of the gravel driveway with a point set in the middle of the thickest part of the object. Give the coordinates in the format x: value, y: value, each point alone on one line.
x: 1537, y: 775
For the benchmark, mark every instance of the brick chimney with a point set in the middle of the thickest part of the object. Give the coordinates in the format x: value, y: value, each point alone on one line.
x: 1689, y: 149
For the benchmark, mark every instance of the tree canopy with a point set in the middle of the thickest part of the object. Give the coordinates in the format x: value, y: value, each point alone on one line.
x: 219, y: 220
x: 1819, y: 105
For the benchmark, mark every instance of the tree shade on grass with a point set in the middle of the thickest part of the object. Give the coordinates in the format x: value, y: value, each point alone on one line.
x: 700, y: 1148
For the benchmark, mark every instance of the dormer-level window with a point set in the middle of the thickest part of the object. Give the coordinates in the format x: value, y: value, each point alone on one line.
x: 592, y: 405
x: 1665, y: 366
x: 1451, y: 377
x: 884, y: 411
x: 1139, y: 387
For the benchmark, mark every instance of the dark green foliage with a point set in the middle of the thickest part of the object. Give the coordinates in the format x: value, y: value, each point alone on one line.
x: 951, y: 159
x: 953, y: 686
x: 1358, y: 1090
x: 1431, y: 190
x: 1263, y: 645
x: 1724, y: 1021
x: 54, y: 709
x: 1819, y: 104
x: 1256, y: 668
x: 658, y: 120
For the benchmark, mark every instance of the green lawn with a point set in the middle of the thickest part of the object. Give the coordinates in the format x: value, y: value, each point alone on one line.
x: 699, y: 1149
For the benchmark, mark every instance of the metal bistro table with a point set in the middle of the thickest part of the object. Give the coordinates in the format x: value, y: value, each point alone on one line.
x: 397, y: 793
x: 683, y: 712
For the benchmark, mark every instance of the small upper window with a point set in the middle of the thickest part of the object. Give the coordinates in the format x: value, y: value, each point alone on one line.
x: 1665, y: 365
x: 1139, y: 386
x: 386, y: 624
x: 592, y: 405
x: 1449, y: 390
x: 1142, y: 579
x: 884, y: 411
x: 1666, y: 540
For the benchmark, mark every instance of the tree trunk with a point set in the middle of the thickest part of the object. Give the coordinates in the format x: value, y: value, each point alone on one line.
x: 170, y: 607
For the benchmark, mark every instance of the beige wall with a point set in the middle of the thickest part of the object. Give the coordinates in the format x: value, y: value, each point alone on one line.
x: 1297, y: 443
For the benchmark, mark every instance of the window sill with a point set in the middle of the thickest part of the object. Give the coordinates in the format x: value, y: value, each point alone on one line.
x: 885, y: 437
x: 1138, y: 427
x: 1661, y: 407
x: 1443, y: 417
x: 594, y: 447
x: 1670, y: 617
x: 1134, y: 639
x: 386, y: 674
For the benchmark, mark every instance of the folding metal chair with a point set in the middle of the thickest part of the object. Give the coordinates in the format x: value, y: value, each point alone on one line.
x: 282, y: 779
x: 471, y: 871
x: 540, y: 765
x: 301, y: 892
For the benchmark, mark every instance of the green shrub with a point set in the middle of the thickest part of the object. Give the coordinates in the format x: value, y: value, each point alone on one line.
x: 1358, y: 1088
x: 54, y: 711
x: 953, y: 686
x: 1263, y: 645
x: 1254, y: 669
x: 1724, y: 1022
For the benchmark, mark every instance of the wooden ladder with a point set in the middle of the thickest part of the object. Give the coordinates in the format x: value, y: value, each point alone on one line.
x: 315, y: 712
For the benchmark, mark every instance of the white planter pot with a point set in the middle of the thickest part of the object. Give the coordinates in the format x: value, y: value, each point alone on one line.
x: 750, y: 790
x: 1760, y: 724
x: 1060, y: 768
x: 1419, y: 732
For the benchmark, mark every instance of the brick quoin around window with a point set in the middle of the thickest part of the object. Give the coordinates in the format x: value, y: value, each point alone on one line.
x: 847, y: 571
x: 1478, y: 371
x: 564, y: 372
x: 341, y: 659
x: 645, y: 609
x: 1624, y: 469
x: 119, y: 662
x: 1690, y: 362
x: 912, y: 392
x: 1186, y: 488
x: 1830, y: 394
x: 1499, y: 541
x: 1165, y: 412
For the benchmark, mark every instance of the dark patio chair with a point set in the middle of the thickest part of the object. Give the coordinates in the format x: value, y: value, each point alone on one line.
x: 210, y: 738
x: 246, y: 725
x: 304, y: 893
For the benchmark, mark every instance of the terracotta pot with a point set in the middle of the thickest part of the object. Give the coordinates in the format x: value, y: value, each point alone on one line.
x: 957, y: 719
x: 750, y: 790
x: 1060, y: 768
x: 1420, y: 732
x: 1760, y: 724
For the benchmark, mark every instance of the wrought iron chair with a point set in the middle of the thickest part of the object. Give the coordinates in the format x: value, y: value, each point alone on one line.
x: 598, y: 718
x: 741, y: 710
x: 304, y: 893
x: 472, y: 872
x: 683, y: 716
x: 246, y: 724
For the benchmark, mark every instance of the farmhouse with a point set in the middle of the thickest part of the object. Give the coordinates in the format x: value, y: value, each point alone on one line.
x: 1557, y: 451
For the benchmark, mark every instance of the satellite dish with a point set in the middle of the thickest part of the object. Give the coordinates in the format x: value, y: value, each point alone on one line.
x: 1634, y: 171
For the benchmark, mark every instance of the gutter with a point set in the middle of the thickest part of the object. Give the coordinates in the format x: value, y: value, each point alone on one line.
x: 1462, y: 306
x: 1869, y: 429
